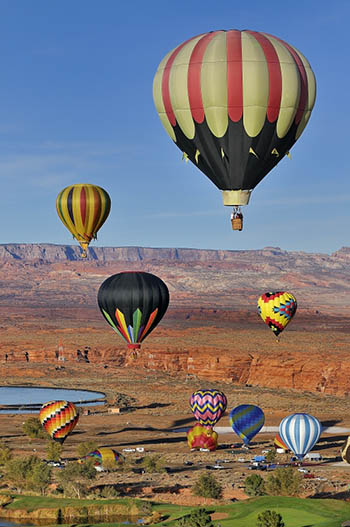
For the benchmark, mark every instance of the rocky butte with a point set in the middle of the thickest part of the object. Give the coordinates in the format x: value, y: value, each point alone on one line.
x: 211, y: 330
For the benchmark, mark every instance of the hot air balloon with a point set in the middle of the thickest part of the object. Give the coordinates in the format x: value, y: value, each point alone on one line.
x: 208, y: 406
x: 278, y: 443
x: 133, y: 303
x: 83, y: 209
x: 234, y: 102
x: 277, y: 309
x: 202, y: 437
x: 103, y: 456
x: 300, y: 432
x: 58, y: 418
x: 246, y: 421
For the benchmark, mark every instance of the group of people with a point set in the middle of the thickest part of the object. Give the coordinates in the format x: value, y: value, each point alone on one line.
x: 26, y: 355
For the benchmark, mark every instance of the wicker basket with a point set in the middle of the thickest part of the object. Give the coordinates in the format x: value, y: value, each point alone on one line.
x: 237, y: 224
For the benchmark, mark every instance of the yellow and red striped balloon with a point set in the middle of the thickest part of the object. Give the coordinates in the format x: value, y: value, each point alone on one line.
x: 83, y: 209
x: 234, y: 102
x: 58, y: 418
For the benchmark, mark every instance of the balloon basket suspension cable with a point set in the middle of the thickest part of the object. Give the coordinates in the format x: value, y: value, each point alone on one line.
x: 237, y: 218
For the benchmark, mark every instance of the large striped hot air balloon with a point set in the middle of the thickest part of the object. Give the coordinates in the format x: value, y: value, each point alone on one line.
x: 234, y: 102
x: 246, y: 421
x: 58, y: 419
x: 104, y: 456
x: 202, y: 437
x: 277, y: 309
x: 83, y: 209
x: 133, y: 303
x: 300, y: 432
x: 208, y: 406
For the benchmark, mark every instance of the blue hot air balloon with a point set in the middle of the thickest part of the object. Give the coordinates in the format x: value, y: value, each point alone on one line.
x: 300, y: 432
x: 246, y: 421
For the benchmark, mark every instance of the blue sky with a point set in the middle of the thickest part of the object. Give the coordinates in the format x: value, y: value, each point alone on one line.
x: 77, y: 106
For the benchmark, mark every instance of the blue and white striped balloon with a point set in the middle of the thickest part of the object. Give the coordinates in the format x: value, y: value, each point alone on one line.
x: 300, y: 432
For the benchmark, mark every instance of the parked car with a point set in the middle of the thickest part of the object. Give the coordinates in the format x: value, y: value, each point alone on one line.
x: 55, y: 464
x: 304, y: 470
x: 188, y: 463
x: 217, y: 466
x: 309, y: 476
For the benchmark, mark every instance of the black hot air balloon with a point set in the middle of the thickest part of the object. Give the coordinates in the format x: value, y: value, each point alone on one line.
x: 234, y: 102
x: 133, y: 303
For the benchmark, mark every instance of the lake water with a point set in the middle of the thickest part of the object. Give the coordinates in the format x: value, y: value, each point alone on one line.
x: 28, y: 399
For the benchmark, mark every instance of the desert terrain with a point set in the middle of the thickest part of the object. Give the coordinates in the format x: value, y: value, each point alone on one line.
x: 211, y: 336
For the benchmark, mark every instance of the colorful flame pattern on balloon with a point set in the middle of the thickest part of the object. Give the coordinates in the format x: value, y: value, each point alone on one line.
x: 58, y: 418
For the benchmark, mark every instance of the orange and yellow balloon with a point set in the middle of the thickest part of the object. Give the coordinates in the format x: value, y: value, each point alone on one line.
x: 83, y: 208
x: 277, y: 309
x: 58, y: 418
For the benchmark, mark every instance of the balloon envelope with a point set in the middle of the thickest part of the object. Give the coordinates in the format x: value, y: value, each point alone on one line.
x: 208, y: 406
x: 58, y: 419
x: 300, y: 432
x: 104, y: 455
x: 83, y: 209
x: 202, y: 437
x: 234, y: 102
x: 278, y: 443
x: 133, y: 303
x: 246, y: 421
x: 277, y: 309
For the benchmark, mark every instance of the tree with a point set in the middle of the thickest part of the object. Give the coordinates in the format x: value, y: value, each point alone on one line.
x: 284, y: 482
x: 54, y: 451
x: 269, y: 519
x: 207, y: 487
x: 83, y: 449
x: 270, y: 456
x: 5, y: 453
x: 153, y: 464
x: 75, y: 478
x: 197, y: 518
x: 33, y: 429
x: 255, y: 485
x: 28, y: 473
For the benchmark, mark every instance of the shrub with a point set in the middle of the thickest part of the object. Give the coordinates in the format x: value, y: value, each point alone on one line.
x: 271, y: 456
x: 269, y: 519
x: 153, y: 464
x: 75, y: 478
x: 33, y: 429
x: 207, y: 487
x: 255, y: 485
x: 28, y: 473
x: 83, y: 449
x: 197, y: 518
x: 284, y: 482
x: 54, y: 451
x: 5, y: 453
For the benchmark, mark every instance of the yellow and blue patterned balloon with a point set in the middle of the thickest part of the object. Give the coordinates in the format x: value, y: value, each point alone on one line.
x: 277, y: 309
x: 246, y: 421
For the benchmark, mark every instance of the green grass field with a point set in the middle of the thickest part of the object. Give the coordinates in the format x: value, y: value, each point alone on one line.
x: 295, y: 512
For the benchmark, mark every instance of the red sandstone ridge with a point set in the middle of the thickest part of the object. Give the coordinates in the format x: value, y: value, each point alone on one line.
x: 211, y: 329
